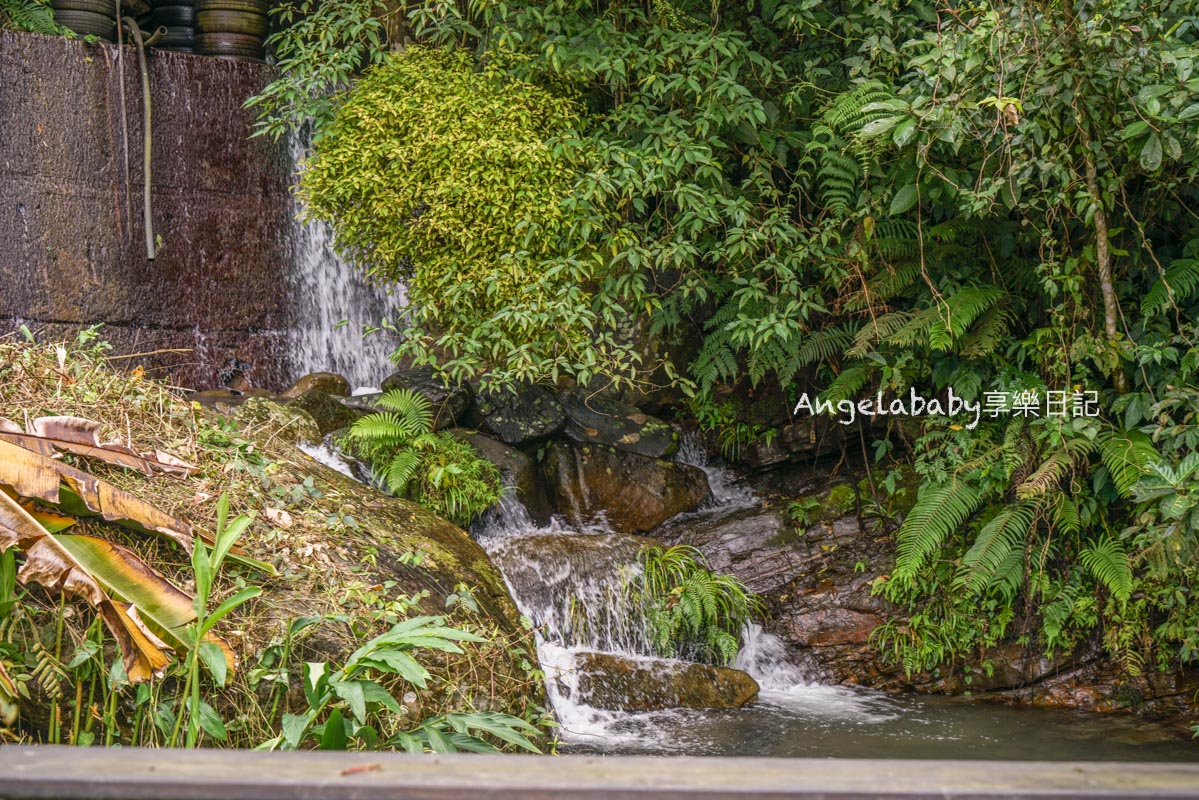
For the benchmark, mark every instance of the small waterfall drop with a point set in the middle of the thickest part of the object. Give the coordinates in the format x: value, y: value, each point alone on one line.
x: 727, y: 490
x: 570, y: 582
x: 332, y: 303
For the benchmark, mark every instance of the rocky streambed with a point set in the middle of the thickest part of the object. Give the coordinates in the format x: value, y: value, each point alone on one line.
x: 594, y: 479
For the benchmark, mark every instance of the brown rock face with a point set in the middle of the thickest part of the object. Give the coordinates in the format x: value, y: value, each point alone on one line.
x: 518, y: 470
x: 72, y: 251
x: 636, y: 493
x: 329, y: 413
x: 654, y: 684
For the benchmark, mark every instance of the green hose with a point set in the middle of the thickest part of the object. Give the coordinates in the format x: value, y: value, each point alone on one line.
x: 142, y: 44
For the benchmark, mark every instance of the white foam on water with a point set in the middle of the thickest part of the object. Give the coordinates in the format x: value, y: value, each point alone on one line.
x: 329, y: 457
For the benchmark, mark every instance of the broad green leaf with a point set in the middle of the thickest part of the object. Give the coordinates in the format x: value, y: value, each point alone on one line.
x: 214, y: 658
x: 334, y: 735
x: 1151, y: 153
x: 904, y: 199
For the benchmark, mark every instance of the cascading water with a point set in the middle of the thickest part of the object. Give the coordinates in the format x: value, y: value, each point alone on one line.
x: 332, y: 303
x: 570, y: 583
x: 567, y: 582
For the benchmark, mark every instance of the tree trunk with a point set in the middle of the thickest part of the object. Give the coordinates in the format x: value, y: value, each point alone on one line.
x: 1103, y: 254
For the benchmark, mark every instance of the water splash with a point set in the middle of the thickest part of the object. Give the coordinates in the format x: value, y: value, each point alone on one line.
x: 332, y: 304
x: 727, y: 489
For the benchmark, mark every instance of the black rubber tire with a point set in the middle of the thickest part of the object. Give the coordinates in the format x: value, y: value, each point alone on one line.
x: 165, y: 3
x: 175, y: 16
x: 85, y: 23
x: 224, y: 49
x: 245, y: 59
x: 232, y: 22
x: 178, y: 36
x: 225, y: 42
x: 103, y: 7
x: 174, y: 49
x: 242, y: 6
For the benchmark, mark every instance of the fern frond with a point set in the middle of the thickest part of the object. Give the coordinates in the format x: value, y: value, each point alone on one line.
x: 958, y: 313
x: 400, y: 471
x: 939, y: 511
x: 846, y: 385
x: 30, y: 15
x: 414, y: 409
x: 988, y: 562
x: 1127, y: 456
x: 1178, y: 284
x: 1107, y: 561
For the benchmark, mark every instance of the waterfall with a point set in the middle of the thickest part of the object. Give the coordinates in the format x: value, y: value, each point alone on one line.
x: 332, y: 303
x: 727, y: 490
x: 570, y: 583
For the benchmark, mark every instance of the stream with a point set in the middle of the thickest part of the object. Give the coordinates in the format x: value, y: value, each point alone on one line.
x: 566, y: 580
x: 556, y: 571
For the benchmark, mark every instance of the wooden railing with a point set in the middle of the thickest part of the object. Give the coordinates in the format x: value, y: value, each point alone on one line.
x: 133, y: 774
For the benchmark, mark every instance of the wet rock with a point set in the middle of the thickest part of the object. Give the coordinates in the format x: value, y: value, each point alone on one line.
x: 573, y: 585
x: 634, y: 493
x: 620, y: 683
x: 450, y: 403
x: 328, y: 412
x: 328, y: 382
x: 599, y: 420
x: 815, y: 575
x: 517, y: 469
x: 519, y: 417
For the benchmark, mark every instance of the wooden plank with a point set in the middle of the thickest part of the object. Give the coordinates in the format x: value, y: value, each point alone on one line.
x: 133, y: 774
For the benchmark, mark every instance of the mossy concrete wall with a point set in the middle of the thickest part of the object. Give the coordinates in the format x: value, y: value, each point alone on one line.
x: 72, y: 250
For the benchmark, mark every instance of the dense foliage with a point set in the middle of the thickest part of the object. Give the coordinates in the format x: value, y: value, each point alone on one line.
x: 857, y: 196
x: 690, y: 611
x: 437, y: 470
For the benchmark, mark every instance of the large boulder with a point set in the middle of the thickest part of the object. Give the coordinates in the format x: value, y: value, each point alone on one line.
x: 292, y: 425
x: 329, y: 412
x: 621, y: 683
x: 593, y: 419
x: 450, y: 401
x: 517, y: 470
x: 328, y: 382
x: 520, y: 417
x: 632, y: 492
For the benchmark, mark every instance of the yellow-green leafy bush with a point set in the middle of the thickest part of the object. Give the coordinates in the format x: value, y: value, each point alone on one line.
x: 455, y: 181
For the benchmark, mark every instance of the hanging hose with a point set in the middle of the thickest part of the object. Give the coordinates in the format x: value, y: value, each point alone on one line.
x: 136, y: 30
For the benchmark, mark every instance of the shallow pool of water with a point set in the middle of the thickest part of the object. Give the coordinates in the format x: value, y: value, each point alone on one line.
x: 835, y: 721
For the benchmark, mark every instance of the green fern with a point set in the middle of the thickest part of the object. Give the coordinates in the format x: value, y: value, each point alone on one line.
x: 1127, y: 456
x: 691, y: 611
x: 989, y: 563
x: 940, y: 510
x: 441, y: 472
x: 29, y: 15
x: 1180, y: 283
x: 1108, y: 563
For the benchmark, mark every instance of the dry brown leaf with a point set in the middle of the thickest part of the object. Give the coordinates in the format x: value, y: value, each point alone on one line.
x: 32, y: 474
x: 81, y: 436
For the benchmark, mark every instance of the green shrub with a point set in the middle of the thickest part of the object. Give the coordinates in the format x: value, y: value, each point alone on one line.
x: 437, y: 174
x: 440, y: 472
x: 693, y: 613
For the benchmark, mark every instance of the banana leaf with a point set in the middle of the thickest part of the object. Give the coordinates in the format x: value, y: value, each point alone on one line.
x: 48, y: 435
x: 144, y: 611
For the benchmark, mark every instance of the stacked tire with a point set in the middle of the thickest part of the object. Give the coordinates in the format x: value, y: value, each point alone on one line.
x: 87, y: 17
x: 179, y: 18
x: 232, y: 29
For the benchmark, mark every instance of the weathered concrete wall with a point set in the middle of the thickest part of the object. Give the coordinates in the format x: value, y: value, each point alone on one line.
x: 72, y: 250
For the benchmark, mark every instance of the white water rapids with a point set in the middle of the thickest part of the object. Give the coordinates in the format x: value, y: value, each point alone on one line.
x: 567, y: 581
